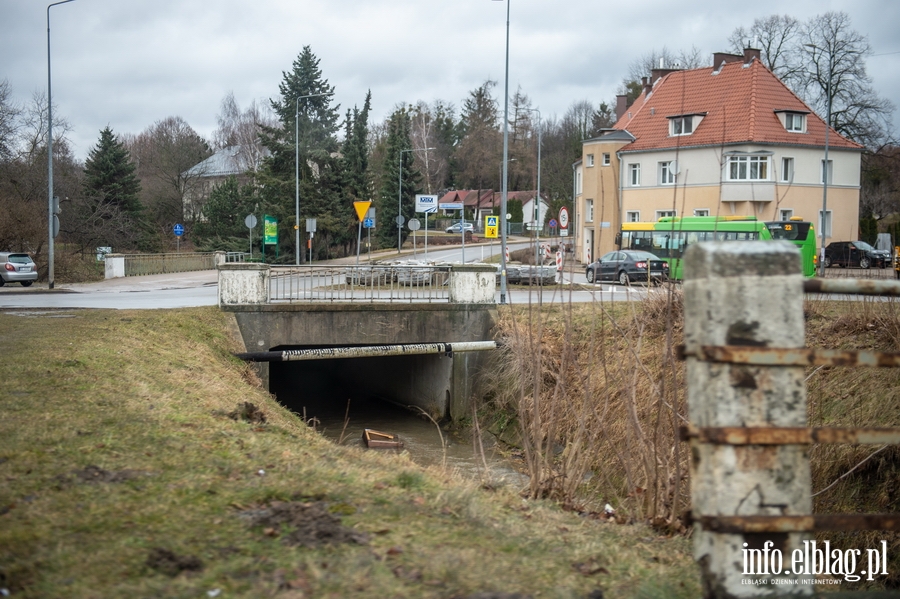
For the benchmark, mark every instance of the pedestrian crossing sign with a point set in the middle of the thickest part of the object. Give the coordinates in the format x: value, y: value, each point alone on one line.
x: 491, y: 227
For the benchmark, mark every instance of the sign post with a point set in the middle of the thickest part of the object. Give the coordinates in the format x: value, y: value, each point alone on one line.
x: 361, y: 209
x: 270, y: 234
x: 427, y: 204
x: 250, y: 222
x: 178, y: 229
x: 462, y: 224
x: 311, y: 229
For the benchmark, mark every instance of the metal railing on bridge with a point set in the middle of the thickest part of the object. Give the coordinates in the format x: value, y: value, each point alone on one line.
x: 156, y: 264
x: 401, y: 282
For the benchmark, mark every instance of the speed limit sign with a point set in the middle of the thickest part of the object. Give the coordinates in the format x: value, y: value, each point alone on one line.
x: 563, y: 218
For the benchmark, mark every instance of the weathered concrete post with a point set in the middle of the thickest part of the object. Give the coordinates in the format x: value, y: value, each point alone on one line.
x: 472, y: 284
x: 241, y: 283
x: 746, y: 294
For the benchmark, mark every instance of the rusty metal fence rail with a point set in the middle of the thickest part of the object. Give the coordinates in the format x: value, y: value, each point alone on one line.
x: 391, y: 283
x: 751, y: 485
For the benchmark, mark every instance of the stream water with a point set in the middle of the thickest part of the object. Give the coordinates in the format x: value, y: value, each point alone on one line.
x: 425, y: 443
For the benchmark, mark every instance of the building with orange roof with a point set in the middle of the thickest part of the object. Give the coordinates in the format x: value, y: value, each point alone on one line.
x: 730, y: 139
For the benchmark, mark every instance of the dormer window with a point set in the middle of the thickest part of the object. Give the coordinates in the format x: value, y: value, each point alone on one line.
x: 684, y: 124
x: 793, y: 121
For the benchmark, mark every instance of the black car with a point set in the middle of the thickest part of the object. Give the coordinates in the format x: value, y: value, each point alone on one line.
x: 625, y: 266
x: 855, y: 253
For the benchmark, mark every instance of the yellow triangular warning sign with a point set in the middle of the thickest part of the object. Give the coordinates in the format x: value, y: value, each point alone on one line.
x: 361, y: 209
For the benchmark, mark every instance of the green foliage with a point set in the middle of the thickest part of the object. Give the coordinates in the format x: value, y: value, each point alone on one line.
x: 868, y: 229
x: 225, y: 211
x: 110, y: 174
x: 398, y: 154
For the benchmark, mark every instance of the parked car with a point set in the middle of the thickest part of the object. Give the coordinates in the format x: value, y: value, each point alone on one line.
x: 458, y: 228
x: 625, y: 266
x: 855, y: 253
x: 17, y: 268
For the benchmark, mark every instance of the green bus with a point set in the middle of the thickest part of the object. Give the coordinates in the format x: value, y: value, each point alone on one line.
x: 669, y: 236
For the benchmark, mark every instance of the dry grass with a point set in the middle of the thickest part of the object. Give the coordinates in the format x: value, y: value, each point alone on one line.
x: 597, y: 393
x: 124, y: 473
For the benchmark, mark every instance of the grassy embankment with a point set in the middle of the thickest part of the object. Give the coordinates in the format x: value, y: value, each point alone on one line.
x: 129, y: 468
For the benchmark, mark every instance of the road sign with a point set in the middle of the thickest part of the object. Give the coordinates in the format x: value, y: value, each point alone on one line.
x: 426, y: 203
x: 553, y: 223
x: 449, y: 206
x: 250, y: 221
x: 369, y: 223
x: 563, y: 218
x: 414, y: 224
x: 270, y: 230
x: 491, y: 227
x: 361, y: 209
x: 178, y: 229
x: 400, y: 220
x: 310, y: 225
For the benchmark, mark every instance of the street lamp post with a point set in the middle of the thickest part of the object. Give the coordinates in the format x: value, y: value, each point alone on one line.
x: 825, y: 168
x: 400, y: 193
x: 51, y: 208
x: 537, y: 200
x: 503, y: 191
x: 297, y: 173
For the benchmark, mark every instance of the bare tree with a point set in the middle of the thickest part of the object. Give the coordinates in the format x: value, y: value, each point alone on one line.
x: 9, y: 121
x: 837, y: 76
x: 664, y: 59
x: 164, y: 155
x: 777, y: 37
x: 240, y: 129
x: 426, y: 133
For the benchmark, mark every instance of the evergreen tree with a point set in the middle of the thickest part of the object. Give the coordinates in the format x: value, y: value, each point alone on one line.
x: 398, y: 152
x: 355, y: 152
x: 225, y: 211
x: 110, y: 175
x: 112, y: 197
x: 309, y: 124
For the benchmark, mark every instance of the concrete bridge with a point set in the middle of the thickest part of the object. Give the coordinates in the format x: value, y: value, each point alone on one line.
x: 400, y: 333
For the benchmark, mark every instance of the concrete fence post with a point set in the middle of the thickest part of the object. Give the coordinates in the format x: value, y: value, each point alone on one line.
x: 746, y: 294
x: 242, y: 284
x: 114, y: 266
x: 472, y: 284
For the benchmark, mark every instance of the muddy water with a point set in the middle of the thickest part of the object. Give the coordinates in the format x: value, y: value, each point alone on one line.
x: 423, y: 441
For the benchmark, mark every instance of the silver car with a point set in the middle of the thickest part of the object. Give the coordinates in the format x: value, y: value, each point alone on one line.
x: 17, y: 268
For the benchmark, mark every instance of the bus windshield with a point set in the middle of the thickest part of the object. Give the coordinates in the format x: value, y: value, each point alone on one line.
x: 792, y: 231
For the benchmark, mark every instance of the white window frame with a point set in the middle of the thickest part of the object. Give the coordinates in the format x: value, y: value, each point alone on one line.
x: 786, y: 214
x: 590, y: 160
x: 830, y: 172
x: 606, y: 159
x: 787, y: 169
x: 589, y: 211
x: 681, y: 125
x: 741, y: 167
x: 701, y: 211
x: 634, y: 174
x: 826, y: 227
x: 661, y: 213
x: 795, y: 122
x: 632, y: 216
x: 666, y: 173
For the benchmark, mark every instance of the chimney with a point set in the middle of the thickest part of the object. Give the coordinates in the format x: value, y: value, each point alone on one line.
x: 657, y: 74
x: 720, y: 58
x: 646, y: 85
x: 750, y: 54
x: 621, y: 106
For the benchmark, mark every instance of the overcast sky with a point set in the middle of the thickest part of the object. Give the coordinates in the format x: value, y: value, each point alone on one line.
x: 130, y: 63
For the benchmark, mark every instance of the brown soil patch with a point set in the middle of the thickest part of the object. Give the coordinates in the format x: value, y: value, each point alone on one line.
x: 169, y: 563
x: 95, y: 474
x: 307, y: 524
